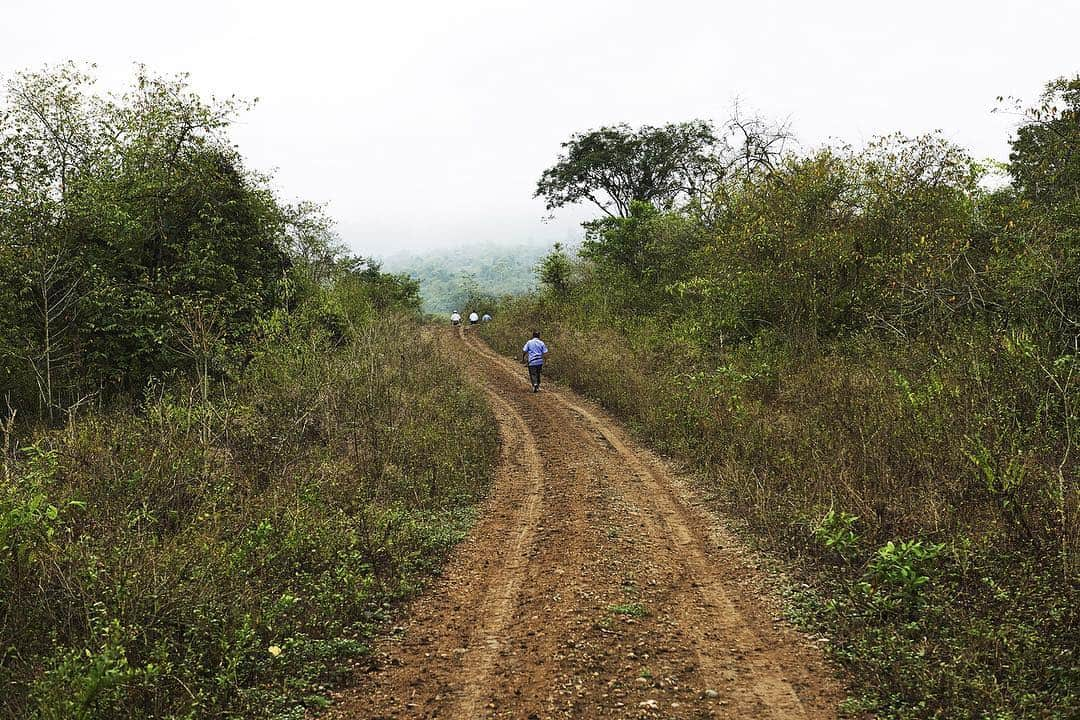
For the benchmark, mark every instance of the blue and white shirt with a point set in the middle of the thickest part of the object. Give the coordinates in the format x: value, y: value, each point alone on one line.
x: 535, y: 349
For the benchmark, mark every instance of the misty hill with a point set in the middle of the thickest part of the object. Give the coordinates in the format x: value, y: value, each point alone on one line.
x: 450, y: 276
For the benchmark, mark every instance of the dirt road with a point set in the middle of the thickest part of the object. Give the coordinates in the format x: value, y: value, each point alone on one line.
x: 592, y: 586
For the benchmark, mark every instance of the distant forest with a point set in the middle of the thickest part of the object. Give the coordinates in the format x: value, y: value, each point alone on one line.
x: 453, y: 278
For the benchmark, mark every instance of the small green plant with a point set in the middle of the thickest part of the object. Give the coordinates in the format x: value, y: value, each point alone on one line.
x: 629, y: 609
x: 1003, y: 480
x: 902, y: 566
x: 28, y: 519
x: 91, y: 682
x: 836, y: 532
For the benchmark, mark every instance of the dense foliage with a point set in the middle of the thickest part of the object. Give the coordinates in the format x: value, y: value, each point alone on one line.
x: 228, y: 447
x: 873, y: 360
x: 133, y: 241
x: 232, y: 557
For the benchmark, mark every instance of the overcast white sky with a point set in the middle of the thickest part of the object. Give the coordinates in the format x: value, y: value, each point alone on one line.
x: 427, y: 123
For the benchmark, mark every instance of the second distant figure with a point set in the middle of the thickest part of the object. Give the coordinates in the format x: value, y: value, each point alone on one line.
x: 473, y: 318
x: 533, y: 355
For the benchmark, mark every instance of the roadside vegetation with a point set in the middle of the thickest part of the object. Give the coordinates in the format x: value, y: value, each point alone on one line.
x: 871, y: 354
x: 228, y: 447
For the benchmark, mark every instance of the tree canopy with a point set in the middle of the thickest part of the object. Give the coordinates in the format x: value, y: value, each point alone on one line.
x: 615, y: 166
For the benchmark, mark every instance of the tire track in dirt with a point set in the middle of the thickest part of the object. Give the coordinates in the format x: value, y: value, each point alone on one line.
x: 769, y: 694
x: 473, y: 606
x: 495, y: 617
x: 760, y: 689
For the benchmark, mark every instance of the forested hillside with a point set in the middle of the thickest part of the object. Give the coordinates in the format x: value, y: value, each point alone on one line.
x: 223, y: 458
x: 460, y: 277
x: 872, y: 360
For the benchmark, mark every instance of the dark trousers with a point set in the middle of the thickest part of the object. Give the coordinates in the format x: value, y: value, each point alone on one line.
x: 534, y: 374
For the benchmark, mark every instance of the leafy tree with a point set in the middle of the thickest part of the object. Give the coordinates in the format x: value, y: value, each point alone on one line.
x: 120, y: 217
x: 615, y: 166
x: 312, y: 242
x: 555, y: 270
x: 642, y: 255
x: 1041, y: 229
x: 1045, y: 158
x: 46, y: 145
x: 385, y: 291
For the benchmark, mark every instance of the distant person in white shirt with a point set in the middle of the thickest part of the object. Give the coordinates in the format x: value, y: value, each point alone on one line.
x: 455, y: 318
x: 473, y: 318
x: 533, y: 355
x: 486, y: 318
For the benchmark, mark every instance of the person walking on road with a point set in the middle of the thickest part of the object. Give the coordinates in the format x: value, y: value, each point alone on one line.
x: 533, y: 355
x: 455, y: 318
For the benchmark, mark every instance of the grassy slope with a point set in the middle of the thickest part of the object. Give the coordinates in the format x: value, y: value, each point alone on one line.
x: 231, y: 558
x: 967, y: 612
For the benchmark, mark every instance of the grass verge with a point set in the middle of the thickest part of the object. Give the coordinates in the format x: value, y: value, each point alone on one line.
x: 232, y: 556
x: 917, y: 489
